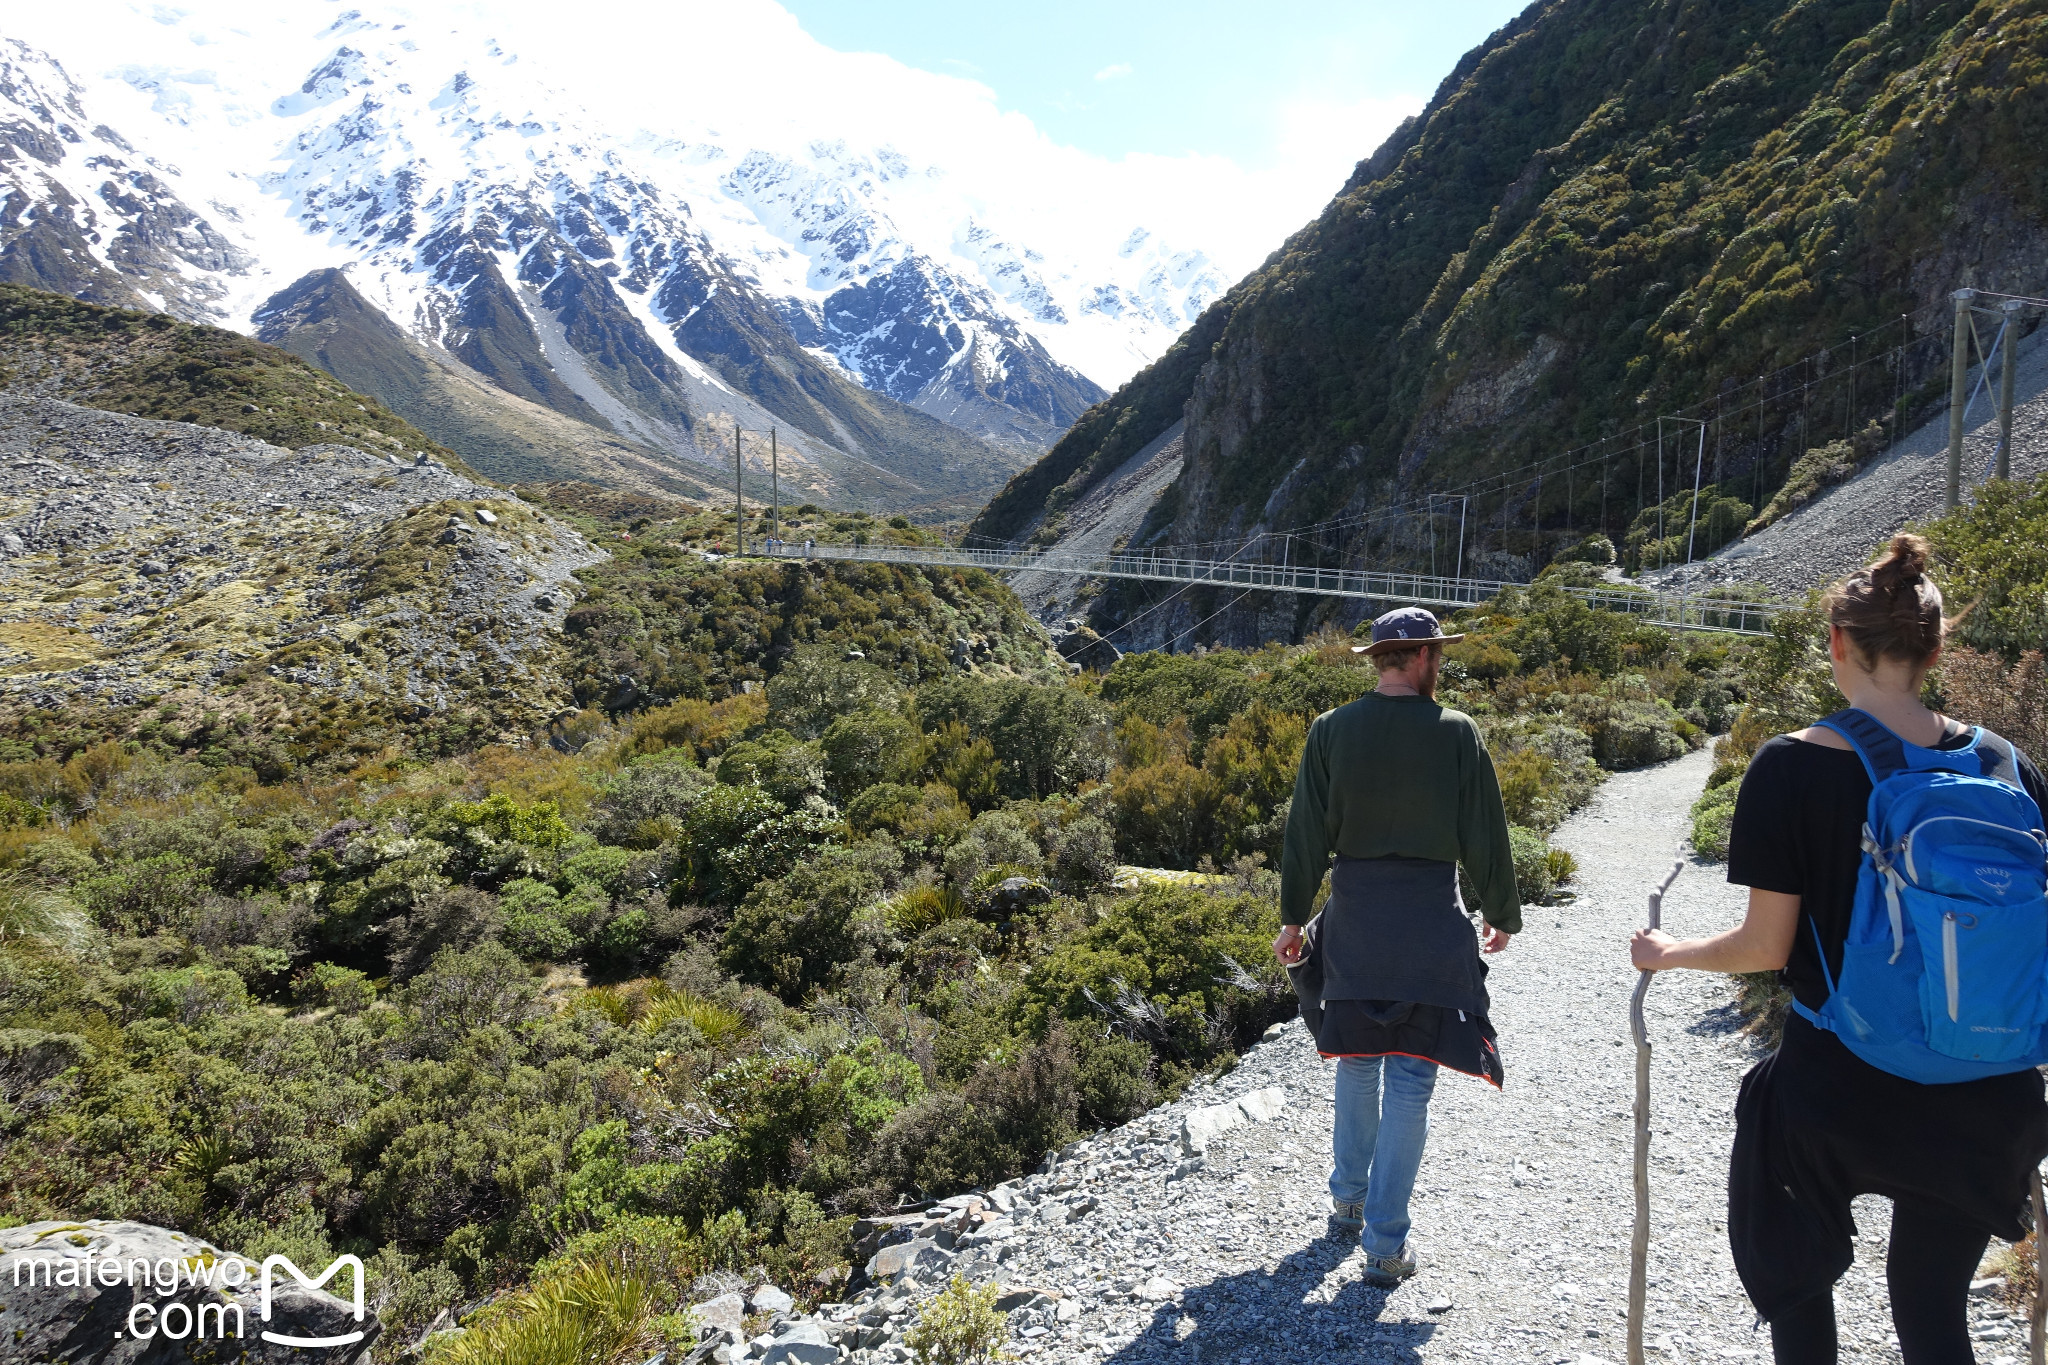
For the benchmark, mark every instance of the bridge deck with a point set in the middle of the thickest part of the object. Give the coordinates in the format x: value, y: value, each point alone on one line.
x: 1677, y: 611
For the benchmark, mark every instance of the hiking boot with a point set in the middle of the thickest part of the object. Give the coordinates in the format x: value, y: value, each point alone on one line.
x: 1388, y: 1271
x: 1346, y: 1217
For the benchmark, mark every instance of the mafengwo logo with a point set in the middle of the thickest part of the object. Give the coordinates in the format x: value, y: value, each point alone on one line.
x: 271, y: 1263
x: 177, y: 1320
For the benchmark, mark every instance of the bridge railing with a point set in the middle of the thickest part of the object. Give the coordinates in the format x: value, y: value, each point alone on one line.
x: 1678, y: 611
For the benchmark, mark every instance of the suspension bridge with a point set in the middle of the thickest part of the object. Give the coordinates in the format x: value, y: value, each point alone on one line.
x: 1674, y: 611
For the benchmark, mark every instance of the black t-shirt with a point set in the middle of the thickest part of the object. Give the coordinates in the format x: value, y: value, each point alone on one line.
x: 1798, y: 830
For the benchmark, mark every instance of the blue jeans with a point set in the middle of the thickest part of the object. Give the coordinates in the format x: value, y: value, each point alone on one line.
x: 1379, y: 1140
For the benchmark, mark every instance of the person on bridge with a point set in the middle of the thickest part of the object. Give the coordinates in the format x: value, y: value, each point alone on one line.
x: 1817, y: 1124
x: 1402, y: 791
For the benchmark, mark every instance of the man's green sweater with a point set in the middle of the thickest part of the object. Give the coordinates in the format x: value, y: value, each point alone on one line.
x: 1398, y: 777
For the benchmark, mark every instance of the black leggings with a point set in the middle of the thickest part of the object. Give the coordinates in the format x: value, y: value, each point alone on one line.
x: 1928, y: 1270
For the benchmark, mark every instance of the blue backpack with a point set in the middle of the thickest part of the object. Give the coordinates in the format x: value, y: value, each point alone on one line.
x: 1945, y: 968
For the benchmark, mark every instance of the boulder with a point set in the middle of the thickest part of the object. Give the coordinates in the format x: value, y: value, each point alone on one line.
x: 1199, y: 1126
x: 1014, y: 895
x: 1158, y: 1289
x: 726, y: 1313
x: 487, y: 516
x: 769, y: 1299
x: 890, y: 1262
x: 1263, y: 1105
x: 801, y: 1343
x: 120, y: 1293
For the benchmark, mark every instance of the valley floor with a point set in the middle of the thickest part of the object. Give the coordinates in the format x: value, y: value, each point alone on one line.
x: 1524, y: 1206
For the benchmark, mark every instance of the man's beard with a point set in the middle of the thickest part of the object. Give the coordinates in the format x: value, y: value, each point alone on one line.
x: 1427, y: 687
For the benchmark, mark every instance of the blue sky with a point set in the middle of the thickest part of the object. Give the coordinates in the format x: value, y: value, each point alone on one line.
x: 1248, y: 82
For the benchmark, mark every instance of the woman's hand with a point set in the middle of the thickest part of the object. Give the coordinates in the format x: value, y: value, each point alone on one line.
x: 1647, y: 947
x: 1287, y: 945
x: 1761, y: 943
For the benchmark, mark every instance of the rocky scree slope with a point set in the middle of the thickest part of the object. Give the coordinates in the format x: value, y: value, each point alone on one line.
x: 1612, y: 208
x: 145, y: 560
x: 1841, y: 529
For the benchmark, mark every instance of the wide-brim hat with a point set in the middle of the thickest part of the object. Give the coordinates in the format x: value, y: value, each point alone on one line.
x: 1405, y: 628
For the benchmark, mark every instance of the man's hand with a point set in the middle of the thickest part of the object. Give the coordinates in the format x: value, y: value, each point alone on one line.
x: 1287, y: 945
x: 1494, y: 940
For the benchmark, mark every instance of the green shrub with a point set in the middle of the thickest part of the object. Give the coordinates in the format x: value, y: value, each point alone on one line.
x: 1714, y: 810
x: 584, y: 1312
x: 1534, y: 878
x: 339, y: 988
x: 1629, y: 732
x: 958, y: 1326
x: 1084, y: 852
x: 1992, y: 555
x: 1044, y: 740
x: 645, y: 805
x: 1562, y: 866
x: 788, y: 769
x: 1721, y: 518
x: 1594, y: 549
x: 886, y: 806
x: 1188, y: 971
x: 541, y: 924
x: 867, y: 748
x: 797, y: 932
x: 1115, y: 1081
x: 816, y: 686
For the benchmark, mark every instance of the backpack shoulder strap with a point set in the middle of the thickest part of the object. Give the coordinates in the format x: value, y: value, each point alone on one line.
x: 1995, y: 752
x: 1883, y: 753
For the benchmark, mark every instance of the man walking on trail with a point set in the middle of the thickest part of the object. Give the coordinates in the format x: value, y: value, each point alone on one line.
x: 1402, y: 791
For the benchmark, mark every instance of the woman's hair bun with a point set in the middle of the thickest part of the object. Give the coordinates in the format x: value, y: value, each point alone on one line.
x: 1903, y: 564
x: 1891, y: 609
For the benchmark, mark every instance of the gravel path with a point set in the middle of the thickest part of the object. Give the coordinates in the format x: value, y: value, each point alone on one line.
x: 1131, y: 1248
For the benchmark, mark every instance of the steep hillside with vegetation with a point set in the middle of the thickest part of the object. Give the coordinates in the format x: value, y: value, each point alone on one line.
x: 1613, y: 209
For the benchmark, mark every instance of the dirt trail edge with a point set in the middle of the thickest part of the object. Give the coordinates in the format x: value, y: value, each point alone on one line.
x: 1148, y: 1250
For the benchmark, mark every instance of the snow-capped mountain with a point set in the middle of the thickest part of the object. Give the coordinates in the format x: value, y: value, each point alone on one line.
x: 660, y: 282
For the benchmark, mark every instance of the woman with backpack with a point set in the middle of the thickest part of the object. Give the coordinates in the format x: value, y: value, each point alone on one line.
x: 1895, y: 874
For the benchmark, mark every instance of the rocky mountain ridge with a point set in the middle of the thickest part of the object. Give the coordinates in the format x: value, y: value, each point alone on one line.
x: 653, y: 288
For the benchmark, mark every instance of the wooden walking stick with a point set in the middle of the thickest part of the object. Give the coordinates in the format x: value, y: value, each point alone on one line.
x: 2037, y: 1350
x: 1639, y: 1243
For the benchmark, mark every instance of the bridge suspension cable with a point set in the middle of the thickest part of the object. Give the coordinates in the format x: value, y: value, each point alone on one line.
x: 1675, y: 611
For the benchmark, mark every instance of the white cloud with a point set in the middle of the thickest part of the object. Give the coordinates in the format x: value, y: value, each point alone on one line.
x: 745, y: 71
x: 1113, y: 70
x: 1319, y: 142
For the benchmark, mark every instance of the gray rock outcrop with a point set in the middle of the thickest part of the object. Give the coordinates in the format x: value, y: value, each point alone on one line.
x: 105, y: 1292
